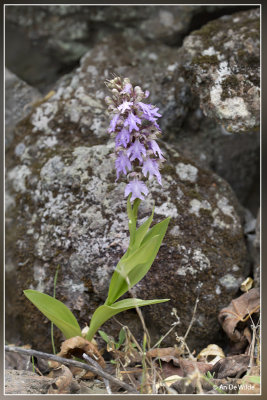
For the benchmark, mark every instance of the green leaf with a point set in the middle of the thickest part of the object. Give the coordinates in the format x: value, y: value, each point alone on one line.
x: 132, y: 269
x: 56, y: 312
x: 122, y: 336
x: 253, y: 378
x: 105, y: 312
x: 104, y: 336
x: 141, y: 231
x: 157, y: 229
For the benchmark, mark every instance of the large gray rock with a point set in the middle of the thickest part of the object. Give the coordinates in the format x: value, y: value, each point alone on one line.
x: 69, y: 31
x: 78, y: 103
x: 222, y: 63
x: 53, y: 38
x: 44, y: 42
x: 235, y: 158
x: 64, y: 209
x: 19, y: 98
x: 26, y: 382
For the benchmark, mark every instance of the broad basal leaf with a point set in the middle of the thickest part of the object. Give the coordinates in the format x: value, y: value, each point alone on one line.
x: 56, y: 312
x: 105, y: 312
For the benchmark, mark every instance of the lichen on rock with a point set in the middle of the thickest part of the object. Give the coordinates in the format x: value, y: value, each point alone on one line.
x: 222, y: 63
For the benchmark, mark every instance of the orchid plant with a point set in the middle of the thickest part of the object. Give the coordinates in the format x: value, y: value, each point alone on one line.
x: 138, y: 157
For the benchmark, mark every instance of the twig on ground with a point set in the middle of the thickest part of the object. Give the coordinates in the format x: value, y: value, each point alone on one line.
x: 140, y: 315
x: 166, y: 334
x: 126, y: 372
x: 74, y: 363
x: 192, y: 320
x: 96, y: 365
x: 252, y: 345
x: 196, y: 373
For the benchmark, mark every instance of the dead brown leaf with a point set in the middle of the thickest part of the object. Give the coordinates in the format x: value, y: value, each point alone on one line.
x: 76, y: 347
x: 189, y: 366
x: 239, y: 310
x: 62, y: 382
x: 128, y: 357
x: 165, y: 354
x: 168, y: 369
x: 232, y: 367
x: 179, y: 366
x: 211, y: 354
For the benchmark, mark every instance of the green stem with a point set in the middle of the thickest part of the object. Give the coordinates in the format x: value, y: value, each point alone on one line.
x: 132, y: 216
x: 52, y: 325
x: 33, y: 368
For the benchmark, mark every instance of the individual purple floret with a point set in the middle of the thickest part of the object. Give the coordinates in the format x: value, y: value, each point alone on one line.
x: 136, y: 188
x: 113, y: 123
x: 135, y: 127
x: 126, y: 105
x: 151, y: 167
x: 136, y: 151
x: 132, y: 121
x: 122, y: 163
x: 153, y: 145
x: 123, y: 138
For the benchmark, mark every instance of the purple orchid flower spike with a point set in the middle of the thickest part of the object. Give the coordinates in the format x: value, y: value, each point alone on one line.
x: 134, y: 123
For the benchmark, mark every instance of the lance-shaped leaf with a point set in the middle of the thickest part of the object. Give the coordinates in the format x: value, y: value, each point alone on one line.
x: 142, y: 230
x: 56, y: 312
x: 105, y: 312
x: 157, y: 229
x: 132, y: 269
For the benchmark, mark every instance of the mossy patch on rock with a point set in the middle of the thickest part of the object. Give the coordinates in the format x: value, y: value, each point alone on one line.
x: 229, y: 85
x: 205, y: 60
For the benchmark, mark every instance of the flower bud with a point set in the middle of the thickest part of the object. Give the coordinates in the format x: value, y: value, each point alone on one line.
x: 108, y: 100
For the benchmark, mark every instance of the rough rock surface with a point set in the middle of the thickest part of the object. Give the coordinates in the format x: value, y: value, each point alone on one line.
x: 236, y: 159
x: 26, y: 382
x: 63, y: 208
x: 257, y: 246
x: 69, y: 30
x: 157, y: 67
x: 79, y: 103
x: 53, y: 38
x: 18, y: 100
x: 222, y: 62
x: 62, y: 34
